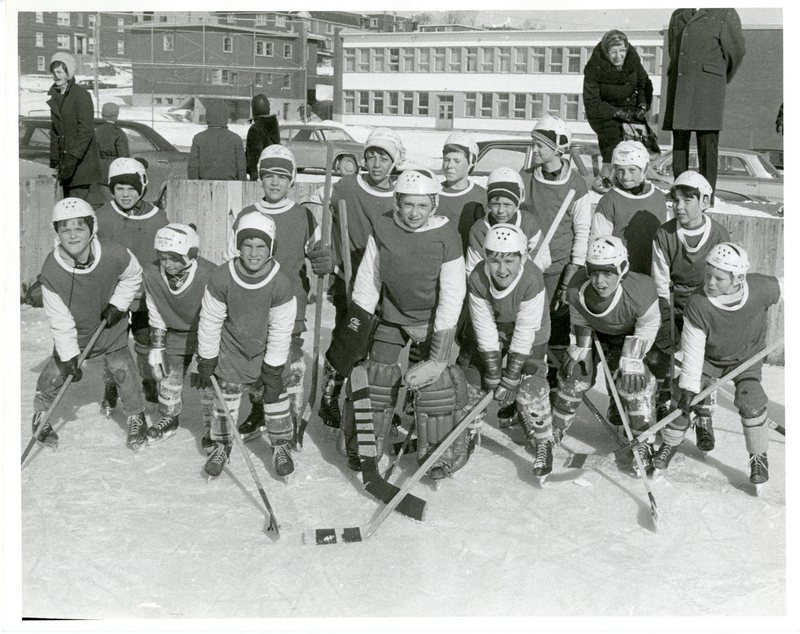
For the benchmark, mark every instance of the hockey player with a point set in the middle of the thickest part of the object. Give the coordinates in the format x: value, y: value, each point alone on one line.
x: 680, y: 248
x: 296, y: 232
x: 246, y: 320
x: 85, y: 280
x: 413, y: 274
x: 367, y: 196
x: 133, y: 222
x: 547, y: 183
x: 724, y: 324
x: 508, y: 306
x: 174, y: 289
x: 633, y: 209
x: 620, y: 308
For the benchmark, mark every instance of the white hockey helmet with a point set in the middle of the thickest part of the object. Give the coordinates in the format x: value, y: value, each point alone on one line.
x: 127, y: 171
x: 277, y: 159
x: 417, y: 181
x: 506, y: 238
x: 693, y: 179
x: 388, y: 141
x: 728, y: 256
x: 553, y: 132
x: 69, y: 208
x: 465, y: 141
x: 179, y: 239
x: 607, y: 253
x: 506, y: 182
x: 256, y: 225
x: 630, y: 153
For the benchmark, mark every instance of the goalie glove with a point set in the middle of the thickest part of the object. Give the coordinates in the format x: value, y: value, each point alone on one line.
x: 428, y: 371
x: 633, y: 377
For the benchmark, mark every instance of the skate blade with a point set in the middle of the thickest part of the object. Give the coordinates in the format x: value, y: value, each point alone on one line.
x: 757, y: 488
x: 252, y: 435
x: 657, y: 474
x: 136, y: 447
x: 107, y: 411
x: 50, y: 446
x: 162, y: 437
x: 543, y: 480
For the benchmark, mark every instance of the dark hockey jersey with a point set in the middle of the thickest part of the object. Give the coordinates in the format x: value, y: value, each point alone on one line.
x: 136, y: 232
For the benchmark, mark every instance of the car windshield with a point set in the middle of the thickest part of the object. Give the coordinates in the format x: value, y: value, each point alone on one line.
x: 769, y: 166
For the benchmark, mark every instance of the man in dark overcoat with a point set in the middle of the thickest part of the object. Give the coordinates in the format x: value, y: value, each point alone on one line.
x: 706, y: 47
x: 217, y: 154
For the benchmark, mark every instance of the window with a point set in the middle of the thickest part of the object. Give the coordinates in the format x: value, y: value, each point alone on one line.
x: 520, y: 60
x: 424, y: 65
x: 573, y: 108
x: 268, y: 78
x: 487, y: 60
x: 504, y: 58
x: 231, y: 19
x: 574, y: 59
x: 263, y: 48
x: 62, y: 41
x: 519, y: 106
x: 408, y: 103
x: 363, y: 60
x: 62, y: 18
x: 373, y: 23
x: 349, y: 102
x: 647, y: 54
x: 471, y: 59
x: 91, y: 20
x: 502, y: 105
x: 455, y: 60
x: 163, y: 18
x: 227, y: 44
x: 392, y: 104
x: 471, y: 104
x: 394, y: 60
x: 349, y: 60
x: 408, y: 61
x: 168, y: 41
x: 287, y: 51
x: 40, y: 17
x: 259, y: 79
x: 486, y: 104
x: 79, y: 19
x: 230, y: 77
x: 363, y: 102
x: 537, y: 106
x: 422, y: 104
x: 39, y: 39
x: 377, y: 102
x: 378, y: 59
x: 120, y: 25
x: 261, y: 19
x: 280, y: 21
x: 438, y: 60
x: 554, y: 105
x: 538, y: 59
x: 120, y: 47
x: 90, y: 45
x: 329, y: 28
x: 213, y: 77
x: 40, y: 62
x: 287, y: 82
x: 556, y: 60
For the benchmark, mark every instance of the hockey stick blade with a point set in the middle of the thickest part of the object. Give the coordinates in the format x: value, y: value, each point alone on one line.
x: 325, y: 536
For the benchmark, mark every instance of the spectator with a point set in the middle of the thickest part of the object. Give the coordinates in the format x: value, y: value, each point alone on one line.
x: 111, y: 141
x: 73, y: 148
x: 616, y: 90
x: 706, y: 47
x: 217, y: 154
x: 779, y: 121
x: 263, y: 133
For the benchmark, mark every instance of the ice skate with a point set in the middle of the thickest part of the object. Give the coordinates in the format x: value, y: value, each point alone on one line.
x: 662, y: 458
x: 46, y: 437
x: 150, y: 390
x: 704, y: 432
x: 206, y: 444
x: 254, y: 424
x: 543, y: 463
x: 329, y: 413
x: 282, y: 460
x: 217, y: 460
x: 137, y: 432
x: 507, y: 416
x: 109, y: 401
x: 645, y: 453
x: 163, y: 429
x: 437, y: 473
x: 759, y: 471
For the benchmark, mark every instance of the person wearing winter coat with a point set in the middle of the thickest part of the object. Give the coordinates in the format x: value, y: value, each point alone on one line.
x: 706, y: 47
x: 616, y: 90
x: 217, y: 153
x: 73, y: 148
x: 263, y: 133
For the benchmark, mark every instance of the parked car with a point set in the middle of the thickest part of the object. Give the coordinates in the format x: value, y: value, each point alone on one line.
x: 164, y: 161
x: 775, y: 157
x: 308, y: 142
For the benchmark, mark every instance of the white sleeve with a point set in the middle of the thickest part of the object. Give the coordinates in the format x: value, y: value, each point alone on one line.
x: 542, y: 259
x: 212, y: 315
x: 367, y: 287
x: 601, y: 226
x: 528, y: 321
x: 581, y: 222
x: 279, y: 333
x: 452, y: 290
x: 473, y: 259
x: 129, y: 285
x: 153, y: 316
x: 648, y: 324
x: 660, y: 271
x: 693, y: 347
x: 480, y: 310
x: 62, y: 325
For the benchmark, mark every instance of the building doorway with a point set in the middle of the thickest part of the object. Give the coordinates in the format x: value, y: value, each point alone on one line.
x: 444, y: 112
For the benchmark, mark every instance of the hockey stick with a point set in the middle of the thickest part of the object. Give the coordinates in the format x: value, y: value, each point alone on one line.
x: 346, y: 258
x: 62, y: 390
x: 322, y: 283
x: 403, y: 448
x: 556, y: 222
x: 612, y: 388
x: 672, y: 334
x: 322, y: 536
x: 770, y: 423
x: 273, y: 521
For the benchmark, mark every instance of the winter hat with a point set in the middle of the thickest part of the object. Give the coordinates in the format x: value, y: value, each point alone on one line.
x: 614, y: 38
x: 506, y: 182
x: 277, y: 159
x: 255, y: 225
x: 110, y: 110
x: 66, y: 59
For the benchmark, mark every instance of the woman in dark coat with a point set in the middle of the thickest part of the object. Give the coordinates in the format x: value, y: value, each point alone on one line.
x: 73, y: 148
x: 616, y: 90
x: 264, y: 132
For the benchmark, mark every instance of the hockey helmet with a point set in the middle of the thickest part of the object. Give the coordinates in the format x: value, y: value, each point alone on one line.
x: 607, y: 253
x: 728, y: 256
x: 277, y: 159
x: 69, y: 208
x: 388, y: 141
x: 506, y: 182
x: 695, y: 180
x: 255, y: 225
x: 127, y: 171
x: 553, y: 132
x: 466, y: 142
x: 417, y: 181
x: 179, y: 239
x: 630, y: 153
x: 506, y: 238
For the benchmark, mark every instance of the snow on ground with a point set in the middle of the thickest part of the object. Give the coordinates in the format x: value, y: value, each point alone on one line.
x: 111, y: 533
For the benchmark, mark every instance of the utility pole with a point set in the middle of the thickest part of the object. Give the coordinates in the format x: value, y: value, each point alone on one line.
x: 304, y: 46
x: 97, y: 62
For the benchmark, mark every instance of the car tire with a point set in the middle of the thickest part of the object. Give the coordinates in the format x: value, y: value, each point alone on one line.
x: 346, y: 165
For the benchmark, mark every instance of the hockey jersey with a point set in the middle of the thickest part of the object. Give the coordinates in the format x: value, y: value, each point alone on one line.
x: 463, y: 207
x: 177, y: 311
x: 679, y: 256
x: 135, y: 229
x: 74, y: 298
x: 522, y: 219
x: 417, y: 275
x: 244, y: 321
x: 515, y: 317
x: 634, y: 219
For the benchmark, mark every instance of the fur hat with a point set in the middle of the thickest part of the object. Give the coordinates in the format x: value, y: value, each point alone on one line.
x: 66, y: 59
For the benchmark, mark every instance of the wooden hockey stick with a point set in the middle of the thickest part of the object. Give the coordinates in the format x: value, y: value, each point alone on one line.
x: 346, y: 257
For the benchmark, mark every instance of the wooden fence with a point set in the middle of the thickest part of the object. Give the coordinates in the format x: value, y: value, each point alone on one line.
x: 207, y: 205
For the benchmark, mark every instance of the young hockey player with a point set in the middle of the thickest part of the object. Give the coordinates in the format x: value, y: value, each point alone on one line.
x: 633, y: 209
x: 680, y: 248
x: 508, y: 306
x: 413, y: 274
x: 620, y: 308
x: 296, y: 231
x: 132, y: 222
x: 174, y: 289
x: 547, y: 183
x: 724, y: 324
x: 367, y: 196
x: 85, y: 280
x: 246, y: 321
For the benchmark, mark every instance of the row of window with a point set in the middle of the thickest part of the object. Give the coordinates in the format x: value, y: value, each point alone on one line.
x: 483, y: 59
x: 226, y: 77
x: 263, y: 47
x: 63, y: 19
x: 83, y: 44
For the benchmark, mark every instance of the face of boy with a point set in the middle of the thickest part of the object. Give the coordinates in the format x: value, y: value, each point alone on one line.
x: 542, y: 153
x: 504, y: 267
x: 74, y: 236
x: 629, y: 176
x: 718, y: 282
x: 688, y: 210
x: 604, y: 282
x: 125, y: 196
x: 59, y: 75
x: 502, y: 208
x: 455, y: 167
x: 171, y: 264
x: 415, y: 210
x: 254, y: 254
x: 379, y: 164
x: 276, y: 187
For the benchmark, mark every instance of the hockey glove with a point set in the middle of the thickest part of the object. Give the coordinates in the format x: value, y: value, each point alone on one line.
x: 624, y: 114
x: 633, y: 377
x: 641, y: 113
x: 428, y: 371
x: 67, y: 168
x: 560, y: 296
x: 68, y: 367
x: 579, y: 354
x: 156, y: 358
x: 492, y: 369
x: 506, y: 392
x: 272, y: 379
x: 205, y: 370
x: 685, y: 402
x: 112, y: 315
x: 321, y: 259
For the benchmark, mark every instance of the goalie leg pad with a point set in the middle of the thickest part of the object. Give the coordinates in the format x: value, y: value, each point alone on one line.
x: 569, y: 395
x: 641, y: 405
x: 533, y: 398
x: 294, y: 375
x: 384, y: 386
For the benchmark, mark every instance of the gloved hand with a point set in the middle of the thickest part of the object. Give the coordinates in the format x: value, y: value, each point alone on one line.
x: 685, y: 401
x: 272, y: 380
x: 506, y: 392
x: 321, y: 259
x: 67, y: 168
x: 560, y: 296
x: 112, y: 315
x: 633, y: 377
x: 625, y: 115
x: 641, y: 113
x: 579, y: 354
x: 205, y: 370
x: 492, y: 370
x: 68, y: 367
x: 426, y: 372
